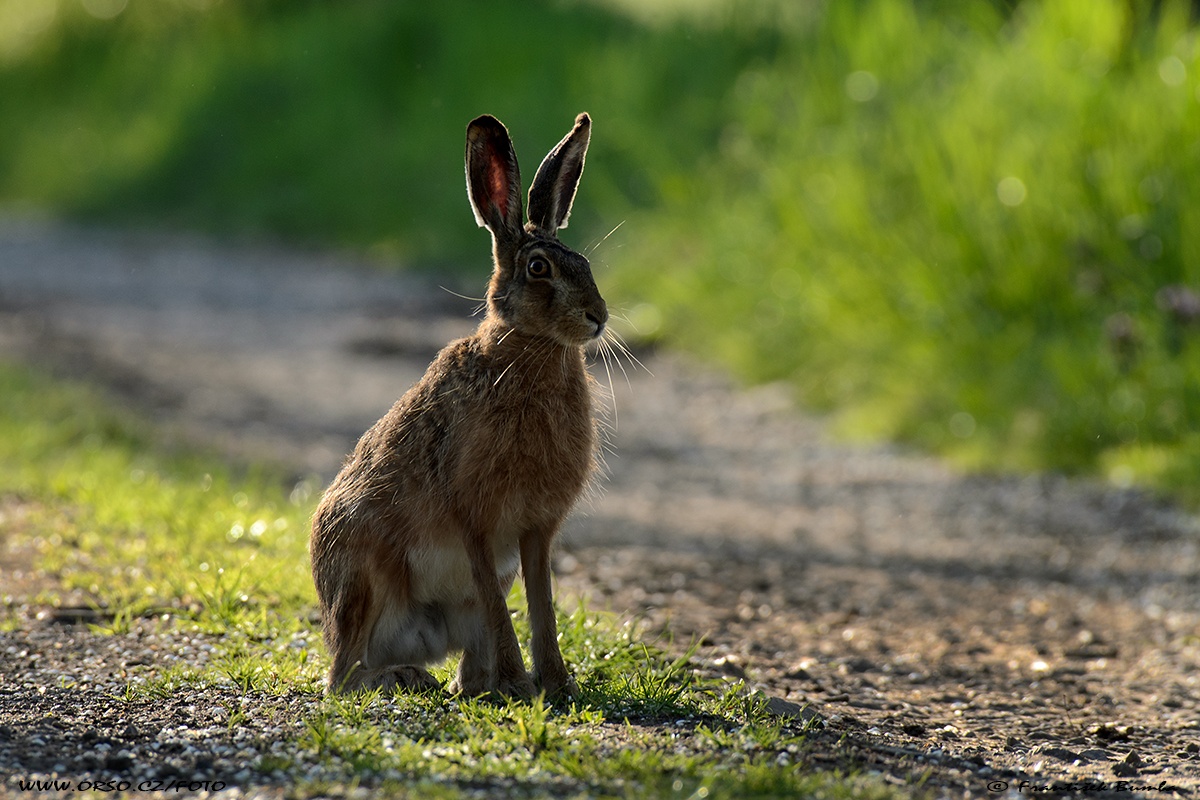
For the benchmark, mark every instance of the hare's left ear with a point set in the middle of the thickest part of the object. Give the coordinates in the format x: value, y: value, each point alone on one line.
x: 554, y: 186
x: 493, y: 178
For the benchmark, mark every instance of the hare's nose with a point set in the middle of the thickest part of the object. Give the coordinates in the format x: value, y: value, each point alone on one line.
x: 598, y: 317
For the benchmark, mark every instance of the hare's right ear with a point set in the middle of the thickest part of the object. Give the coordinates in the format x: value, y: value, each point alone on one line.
x: 554, y: 185
x: 493, y: 179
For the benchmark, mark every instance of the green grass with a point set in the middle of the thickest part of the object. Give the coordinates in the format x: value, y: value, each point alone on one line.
x: 140, y: 529
x: 956, y: 224
x: 181, y: 540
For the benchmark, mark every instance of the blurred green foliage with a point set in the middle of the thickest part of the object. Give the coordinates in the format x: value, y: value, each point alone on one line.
x: 969, y: 225
x: 341, y: 123
x: 967, y: 230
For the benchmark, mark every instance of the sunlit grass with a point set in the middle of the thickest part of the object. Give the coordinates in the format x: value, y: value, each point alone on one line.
x: 181, y: 542
x: 136, y: 527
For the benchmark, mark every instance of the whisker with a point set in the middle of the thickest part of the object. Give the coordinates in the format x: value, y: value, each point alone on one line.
x: 617, y: 350
x: 463, y: 296
x: 500, y: 377
x: 620, y: 342
x: 593, y: 248
x: 611, y: 389
x: 516, y: 358
x: 616, y: 357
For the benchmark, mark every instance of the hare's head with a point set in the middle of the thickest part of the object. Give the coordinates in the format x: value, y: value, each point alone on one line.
x: 539, y: 286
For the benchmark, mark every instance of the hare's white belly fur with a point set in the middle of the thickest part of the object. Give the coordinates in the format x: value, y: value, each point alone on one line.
x: 442, y: 614
x: 441, y: 572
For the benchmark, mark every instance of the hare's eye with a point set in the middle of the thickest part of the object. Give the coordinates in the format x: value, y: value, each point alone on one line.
x: 538, y: 268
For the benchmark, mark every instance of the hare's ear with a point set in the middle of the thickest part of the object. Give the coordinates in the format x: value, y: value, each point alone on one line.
x: 553, y: 188
x: 493, y: 179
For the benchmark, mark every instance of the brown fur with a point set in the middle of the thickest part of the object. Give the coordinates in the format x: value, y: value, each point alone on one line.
x: 470, y: 474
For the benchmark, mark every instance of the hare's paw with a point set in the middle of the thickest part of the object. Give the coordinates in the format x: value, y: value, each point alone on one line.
x: 416, y: 679
x: 558, y: 687
x: 474, y: 676
x: 403, y: 678
x: 354, y: 679
x: 518, y: 686
x: 468, y: 688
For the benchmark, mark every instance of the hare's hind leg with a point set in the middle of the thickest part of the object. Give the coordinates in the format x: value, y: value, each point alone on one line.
x: 380, y: 643
x: 404, y: 639
x: 405, y: 678
x: 347, y: 624
x: 388, y: 679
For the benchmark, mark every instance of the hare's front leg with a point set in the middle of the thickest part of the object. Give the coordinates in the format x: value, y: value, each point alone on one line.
x: 477, y: 667
x: 549, y: 671
x: 497, y: 638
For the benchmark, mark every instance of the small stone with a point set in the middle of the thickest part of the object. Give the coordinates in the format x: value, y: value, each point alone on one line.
x: 786, y: 708
x: 1062, y: 754
x: 859, y: 664
x: 727, y: 665
x: 1110, y: 732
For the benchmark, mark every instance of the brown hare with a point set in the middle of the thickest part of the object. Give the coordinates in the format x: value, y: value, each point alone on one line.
x: 468, y: 477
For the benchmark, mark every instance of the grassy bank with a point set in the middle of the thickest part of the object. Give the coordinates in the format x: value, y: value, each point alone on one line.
x: 980, y: 244
x: 964, y: 225
x: 178, y: 540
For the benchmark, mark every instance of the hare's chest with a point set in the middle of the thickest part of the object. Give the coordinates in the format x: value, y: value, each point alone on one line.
x: 553, y: 449
x: 523, y: 451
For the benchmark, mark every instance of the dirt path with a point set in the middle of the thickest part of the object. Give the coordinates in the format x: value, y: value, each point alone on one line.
x: 972, y: 633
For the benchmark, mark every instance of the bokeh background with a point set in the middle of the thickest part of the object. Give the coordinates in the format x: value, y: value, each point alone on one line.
x: 968, y: 225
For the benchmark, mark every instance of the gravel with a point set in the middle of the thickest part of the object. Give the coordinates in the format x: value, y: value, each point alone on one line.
x: 962, y: 633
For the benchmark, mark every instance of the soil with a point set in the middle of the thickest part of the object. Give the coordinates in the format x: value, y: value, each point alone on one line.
x: 970, y: 635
